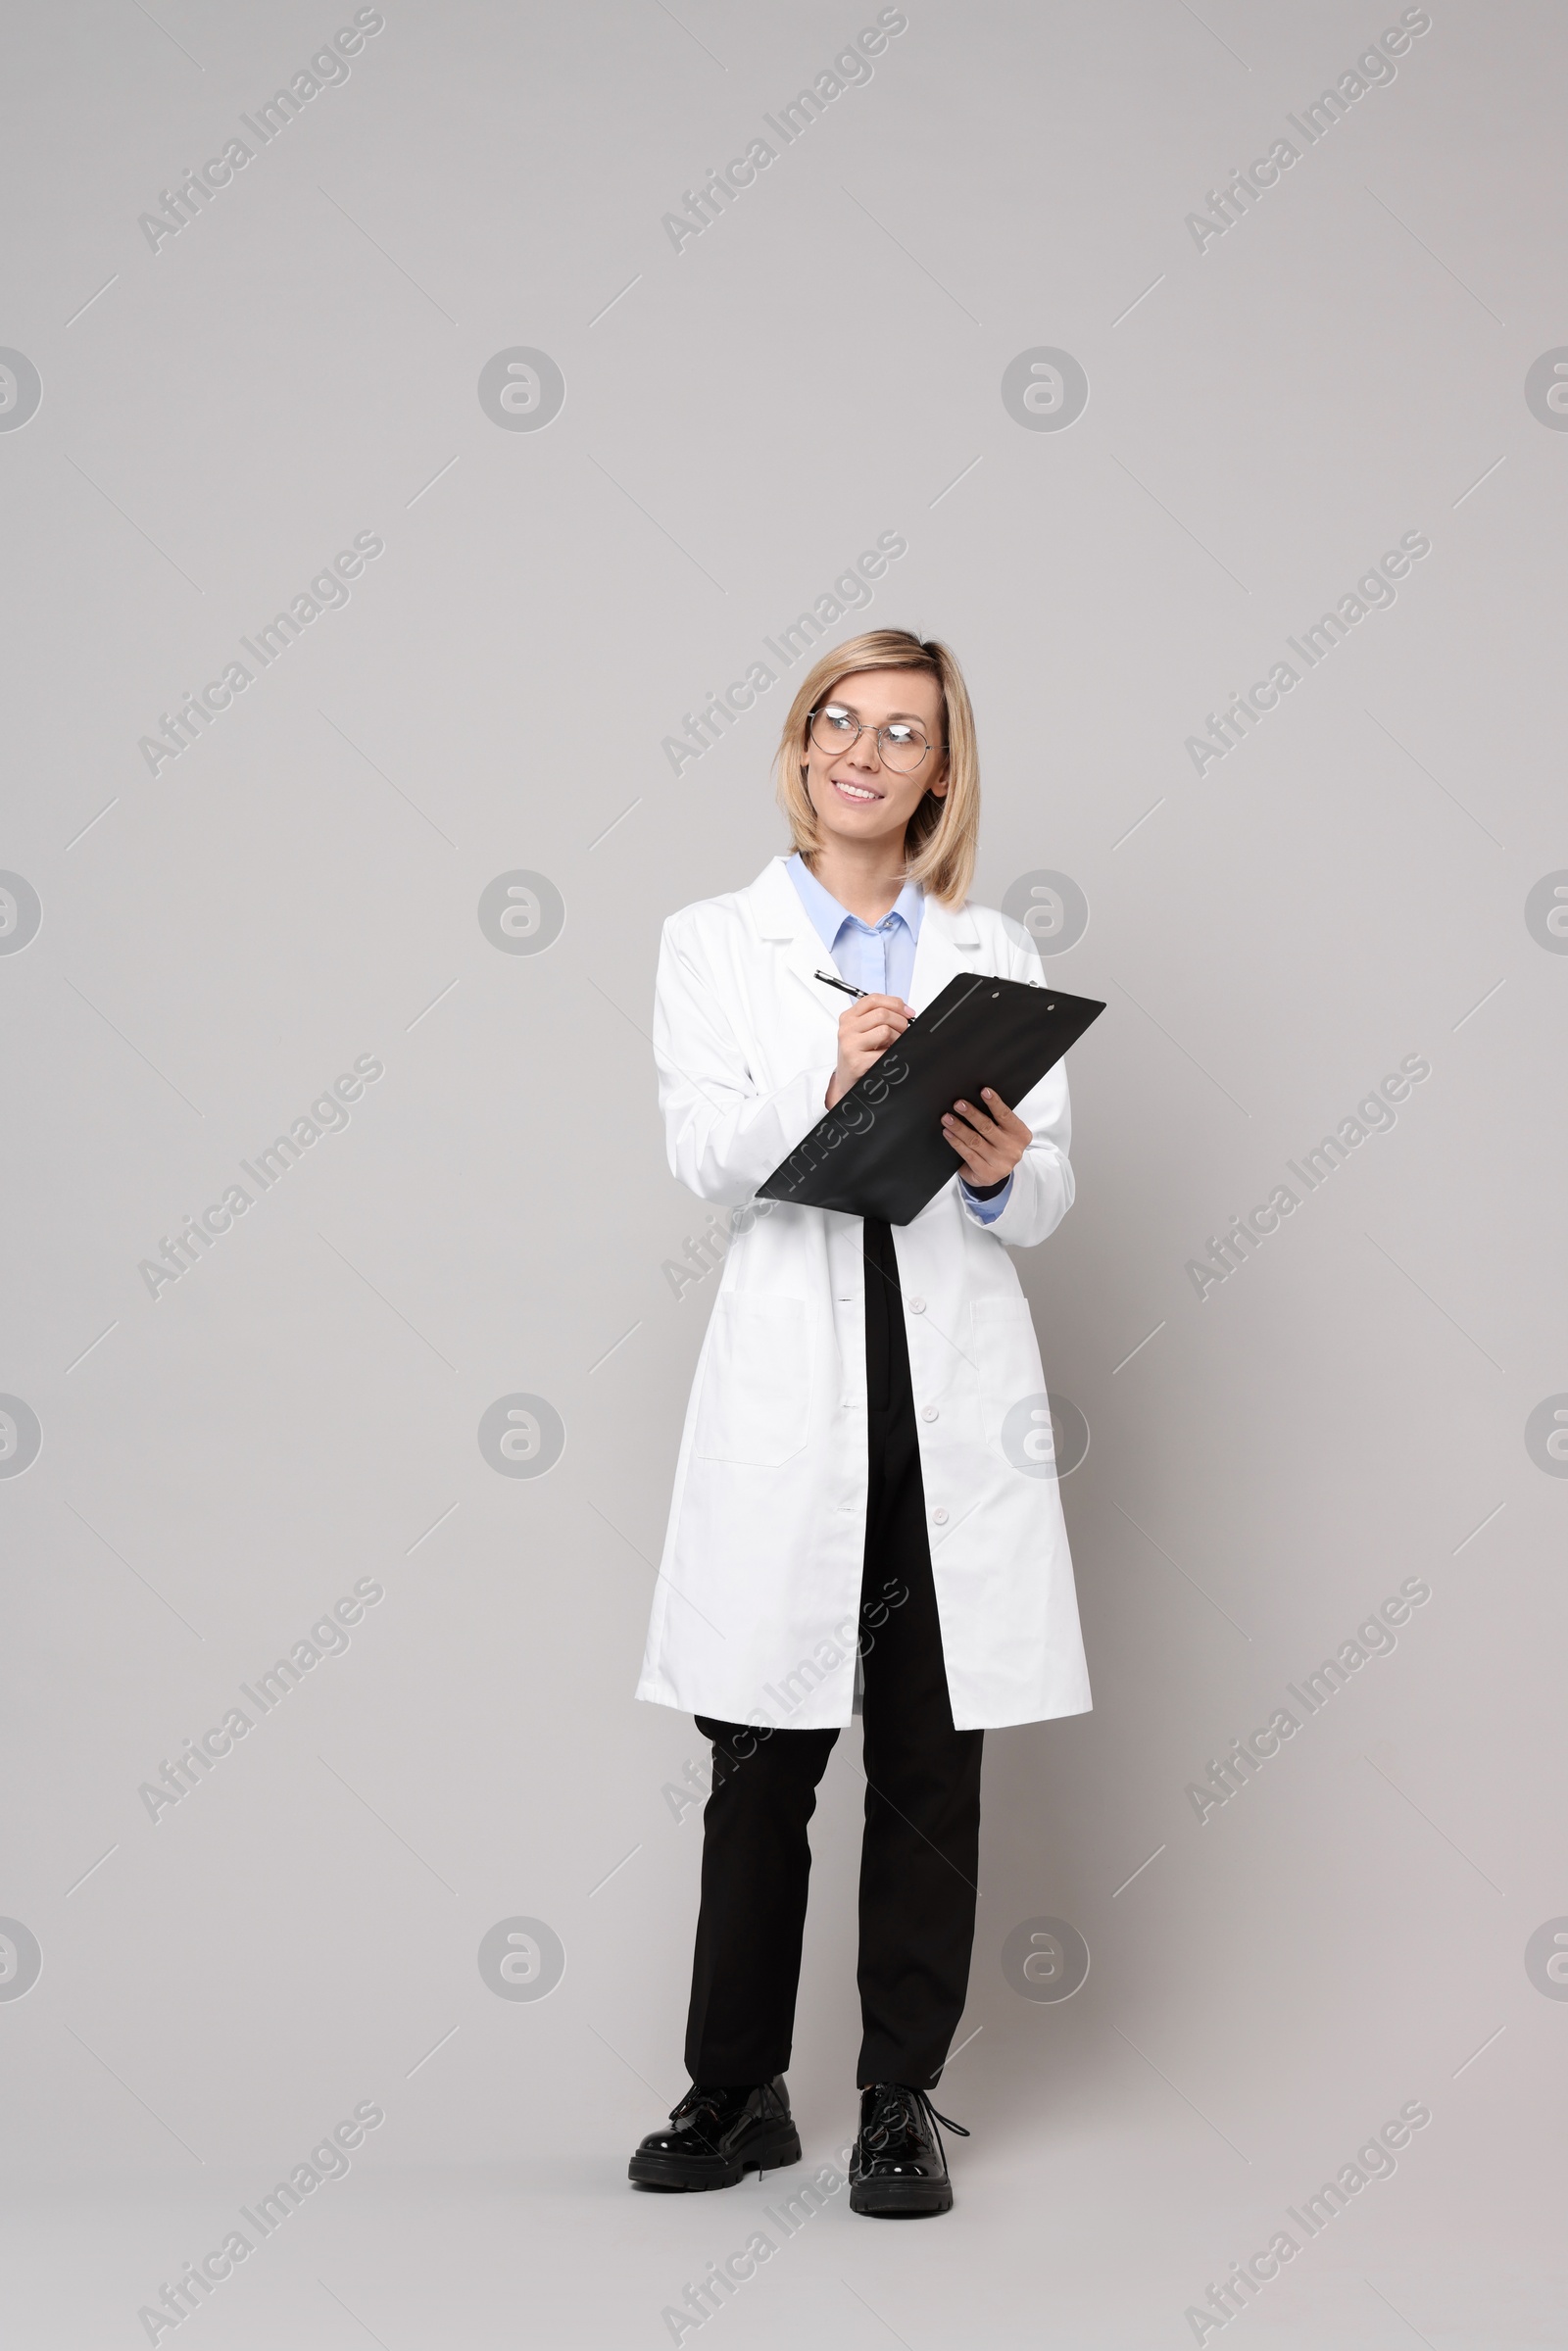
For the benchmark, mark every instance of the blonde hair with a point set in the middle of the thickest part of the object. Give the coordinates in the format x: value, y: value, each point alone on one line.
x: 943, y: 835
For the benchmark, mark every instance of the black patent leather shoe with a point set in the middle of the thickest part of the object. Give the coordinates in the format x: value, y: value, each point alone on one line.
x: 717, y: 2135
x: 900, y: 2167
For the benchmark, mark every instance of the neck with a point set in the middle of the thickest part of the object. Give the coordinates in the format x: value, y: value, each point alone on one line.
x: 864, y: 876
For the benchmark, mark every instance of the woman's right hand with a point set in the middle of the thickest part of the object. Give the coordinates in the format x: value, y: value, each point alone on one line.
x: 866, y: 1031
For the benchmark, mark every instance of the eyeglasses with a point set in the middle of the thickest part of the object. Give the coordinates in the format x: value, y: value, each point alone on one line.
x: 899, y: 746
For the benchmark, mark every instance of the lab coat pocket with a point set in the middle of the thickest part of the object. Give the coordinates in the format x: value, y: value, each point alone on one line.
x: 1010, y: 1378
x: 756, y: 1382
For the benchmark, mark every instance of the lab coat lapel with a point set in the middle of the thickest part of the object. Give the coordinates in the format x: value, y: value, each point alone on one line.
x: 809, y: 1010
x: 949, y: 944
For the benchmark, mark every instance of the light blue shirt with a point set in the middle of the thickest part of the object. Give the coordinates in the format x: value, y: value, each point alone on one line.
x: 880, y: 958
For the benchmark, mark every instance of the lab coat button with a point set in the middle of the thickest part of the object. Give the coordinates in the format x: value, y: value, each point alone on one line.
x: 941, y: 1517
x: 917, y: 1306
x: 928, y: 1412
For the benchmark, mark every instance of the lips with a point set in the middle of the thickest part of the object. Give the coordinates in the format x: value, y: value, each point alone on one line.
x: 860, y: 796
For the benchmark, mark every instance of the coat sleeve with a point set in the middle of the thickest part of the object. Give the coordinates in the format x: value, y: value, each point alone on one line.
x: 724, y: 1134
x: 1042, y: 1181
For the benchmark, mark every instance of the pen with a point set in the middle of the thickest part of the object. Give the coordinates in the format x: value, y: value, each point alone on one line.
x: 833, y: 981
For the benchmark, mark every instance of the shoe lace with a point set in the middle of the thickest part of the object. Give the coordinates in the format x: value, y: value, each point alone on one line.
x: 899, y: 2106
x: 699, y: 2100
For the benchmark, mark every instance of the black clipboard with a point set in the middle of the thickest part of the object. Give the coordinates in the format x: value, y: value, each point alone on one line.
x: 880, y: 1151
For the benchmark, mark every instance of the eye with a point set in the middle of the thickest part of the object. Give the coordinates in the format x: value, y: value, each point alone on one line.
x: 839, y: 719
x: 899, y: 732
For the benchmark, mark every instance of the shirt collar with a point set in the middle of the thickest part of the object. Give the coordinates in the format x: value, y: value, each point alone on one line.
x: 828, y: 917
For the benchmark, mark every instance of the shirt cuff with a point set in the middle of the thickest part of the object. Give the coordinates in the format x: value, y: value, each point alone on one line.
x: 989, y: 1200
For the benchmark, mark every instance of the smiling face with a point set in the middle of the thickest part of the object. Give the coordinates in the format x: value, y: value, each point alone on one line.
x: 853, y: 792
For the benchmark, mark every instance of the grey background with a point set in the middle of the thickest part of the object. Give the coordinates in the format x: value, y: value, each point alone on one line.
x: 300, y: 887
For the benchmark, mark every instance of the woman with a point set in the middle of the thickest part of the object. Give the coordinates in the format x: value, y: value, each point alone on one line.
x: 848, y: 1534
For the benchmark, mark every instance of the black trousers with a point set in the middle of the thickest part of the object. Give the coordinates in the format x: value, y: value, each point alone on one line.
x: 920, y: 1856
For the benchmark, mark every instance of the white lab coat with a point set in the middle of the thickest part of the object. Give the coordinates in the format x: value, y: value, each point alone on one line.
x: 755, y: 1611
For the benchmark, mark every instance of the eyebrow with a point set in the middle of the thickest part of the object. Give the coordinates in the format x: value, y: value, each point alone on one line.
x: 836, y: 702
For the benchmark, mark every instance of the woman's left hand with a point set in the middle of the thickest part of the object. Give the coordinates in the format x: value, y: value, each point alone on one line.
x: 989, y: 1142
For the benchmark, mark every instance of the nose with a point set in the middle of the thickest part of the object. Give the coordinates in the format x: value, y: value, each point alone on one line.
x: 864, y: 750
